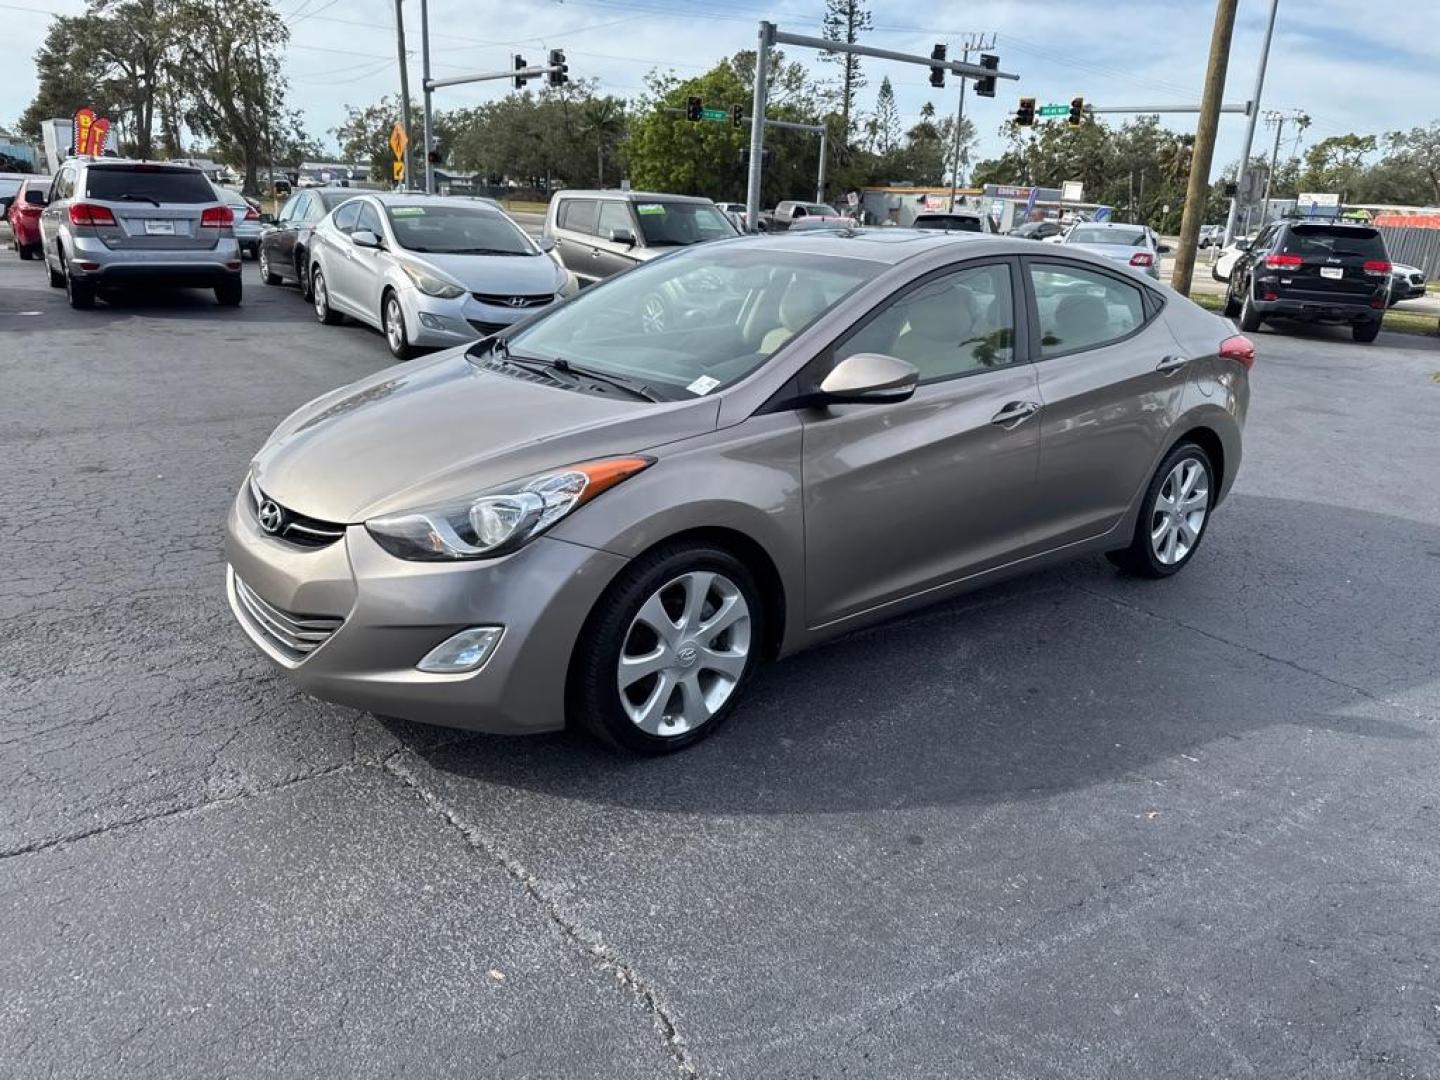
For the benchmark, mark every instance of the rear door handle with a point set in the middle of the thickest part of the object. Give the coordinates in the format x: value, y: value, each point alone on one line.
x: 1168, y: 365
x: 1015, y: 413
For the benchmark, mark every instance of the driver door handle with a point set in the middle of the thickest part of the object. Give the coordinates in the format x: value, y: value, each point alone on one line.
x: 1014, y: 413
x: 1168, y: 365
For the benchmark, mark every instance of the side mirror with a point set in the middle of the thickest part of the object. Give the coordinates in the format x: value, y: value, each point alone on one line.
x: 364, y: 238
x: 1162, y: 249
x: 869, y: 378
x: 267, y: 219
x: 622, y: 236
x: 546, y: 244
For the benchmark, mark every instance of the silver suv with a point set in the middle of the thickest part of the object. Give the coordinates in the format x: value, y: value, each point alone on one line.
x: 112, y: 223
x: 599, y: 233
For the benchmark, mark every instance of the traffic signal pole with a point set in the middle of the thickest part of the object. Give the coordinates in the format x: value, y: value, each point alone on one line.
x: 1250, y: 127
x: 429, y: 137
x: 769, y: 36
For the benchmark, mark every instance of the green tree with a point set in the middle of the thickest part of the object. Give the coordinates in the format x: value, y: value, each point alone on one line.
x: 846, y: 20
x: 883, y: 134
x: 364, y: 135
x: 1337, y: 164
x: 1418, y: 149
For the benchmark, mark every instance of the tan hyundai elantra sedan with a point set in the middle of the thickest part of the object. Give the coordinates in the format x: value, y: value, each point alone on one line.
x: 609, y: 514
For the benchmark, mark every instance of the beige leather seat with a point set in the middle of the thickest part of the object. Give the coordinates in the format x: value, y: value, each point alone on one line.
x: 800, y: 304
x: 938, y: 326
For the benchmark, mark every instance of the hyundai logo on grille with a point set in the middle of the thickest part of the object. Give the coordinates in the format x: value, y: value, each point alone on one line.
x: 517, y: 301
x: 271, y: 516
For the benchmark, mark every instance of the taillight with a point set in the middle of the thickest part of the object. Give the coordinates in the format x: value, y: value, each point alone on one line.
x: 1142, y: 258
x: 215, y: 217
x: 1377, y: 266
x: 251, y: 214
x: 90, y: 214
x: 1240, y: 349
x: 1283, y: 262
x: 29, y: 210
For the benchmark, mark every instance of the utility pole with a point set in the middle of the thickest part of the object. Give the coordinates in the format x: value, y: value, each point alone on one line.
x: 1277, y: 121
x: 429, y: 137
x: 404, y: 87
x: 757, y: 126
x: 1204, y: 152
x: 265, y: 119
x: 1250, y: 126
x: 971, y: 45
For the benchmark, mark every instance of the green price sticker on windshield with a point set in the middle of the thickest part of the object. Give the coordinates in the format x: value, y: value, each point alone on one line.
x: 650, y: 208
x: 407, y: 211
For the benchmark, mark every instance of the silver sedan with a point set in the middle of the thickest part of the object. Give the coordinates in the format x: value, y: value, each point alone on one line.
x: 1134, y: 245
x: 430, y: 271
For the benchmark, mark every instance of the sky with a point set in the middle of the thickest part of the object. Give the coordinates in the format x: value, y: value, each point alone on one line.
x: 1348, y: 72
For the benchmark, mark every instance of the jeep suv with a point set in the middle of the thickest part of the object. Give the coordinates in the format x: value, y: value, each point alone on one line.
x: 599, y: 233
x: 112, y: 223
x: 1312, y: 271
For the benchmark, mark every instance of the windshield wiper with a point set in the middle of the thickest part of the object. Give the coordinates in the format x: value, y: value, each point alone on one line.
x: 479, y: 251
x: 546, y: 365
x: 130, y: 196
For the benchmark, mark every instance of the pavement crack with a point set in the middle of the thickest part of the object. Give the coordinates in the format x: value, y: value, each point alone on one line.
x: 588, y: 942
x: 51, y: 843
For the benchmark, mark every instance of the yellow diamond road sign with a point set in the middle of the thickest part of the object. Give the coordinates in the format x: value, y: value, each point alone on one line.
x: 398, y: 140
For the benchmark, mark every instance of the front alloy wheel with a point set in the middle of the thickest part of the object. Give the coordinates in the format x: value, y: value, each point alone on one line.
x: 266, y: 274
x: 322, y: 300
x: 393, y: 319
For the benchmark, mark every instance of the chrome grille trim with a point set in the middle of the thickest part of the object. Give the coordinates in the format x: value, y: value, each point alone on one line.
x: 531, y: 300
x: 288, y: 637
x: 297, y: 528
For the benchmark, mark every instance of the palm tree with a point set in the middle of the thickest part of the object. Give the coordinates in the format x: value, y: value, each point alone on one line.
x: 603, y: 118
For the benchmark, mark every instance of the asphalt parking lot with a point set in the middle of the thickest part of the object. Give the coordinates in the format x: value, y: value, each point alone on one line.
x: 1075, y: 826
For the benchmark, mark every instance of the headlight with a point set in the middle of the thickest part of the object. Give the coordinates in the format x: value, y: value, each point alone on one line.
x: 502, y: 519
x: 430, y: 284
x: 571, y: 286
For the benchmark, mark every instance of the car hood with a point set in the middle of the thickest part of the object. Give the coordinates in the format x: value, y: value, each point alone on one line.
x: 416, y: 435
x: 512, y: 275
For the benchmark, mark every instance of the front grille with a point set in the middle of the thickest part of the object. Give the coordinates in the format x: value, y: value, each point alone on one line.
x: 292, y: 636
x: 488, y: 328
x: 295, y: 528
x: 530, y: 300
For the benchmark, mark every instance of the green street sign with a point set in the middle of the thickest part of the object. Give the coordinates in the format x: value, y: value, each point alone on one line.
x: 1053, y: 110
x: 716, y: 114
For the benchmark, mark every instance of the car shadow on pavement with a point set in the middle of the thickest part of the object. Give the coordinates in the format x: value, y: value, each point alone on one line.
x: 1340, y: 334
x: 1062, y: 680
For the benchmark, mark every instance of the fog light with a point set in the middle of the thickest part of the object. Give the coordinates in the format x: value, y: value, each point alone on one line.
x: 431, y: 321
x: 466, y: 651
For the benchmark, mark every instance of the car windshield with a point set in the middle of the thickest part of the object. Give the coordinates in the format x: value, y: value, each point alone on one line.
x: 1326, y: 240
x: 1123, y: 237
x: 152, y: 183
x: 821, y: 209
x: 949, y: 222
x: 457, y: 230
x: 688, y: 324
x: 676, y: 224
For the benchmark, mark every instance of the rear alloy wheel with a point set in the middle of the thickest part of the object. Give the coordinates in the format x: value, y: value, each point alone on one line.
x: 668, y: 650
x: 266, y: 274
x: 1249, y: 317
x: 1366, y: 331
x: 302, y: 275
x: 229, y: 294
x: 1172, y: 517
x: 323, y: 311
x: 392, y: 318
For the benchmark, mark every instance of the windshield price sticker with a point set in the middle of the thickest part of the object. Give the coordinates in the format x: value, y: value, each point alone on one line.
x: 407, y: 211
x: 703, y: 385
x: 650, y: 208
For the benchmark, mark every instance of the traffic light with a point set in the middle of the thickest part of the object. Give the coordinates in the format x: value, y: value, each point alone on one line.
x: 937, y: 74
x: 1077, y: 110
x: 1025, y: 114
x: 986, y: 87
x: 693, y: 105
x: 737, y: 115
x: 519, y: 66
x: 435, y: 157
x: 560, y: 76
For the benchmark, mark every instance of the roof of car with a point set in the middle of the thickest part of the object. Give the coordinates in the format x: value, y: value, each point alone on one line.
x: 886, y: 244
x: 409, y: 198
x: 632, y: 196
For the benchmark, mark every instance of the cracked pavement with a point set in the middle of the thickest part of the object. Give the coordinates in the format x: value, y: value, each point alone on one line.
x: 1073, y: 826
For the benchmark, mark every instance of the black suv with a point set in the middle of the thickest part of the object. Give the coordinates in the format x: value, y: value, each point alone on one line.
x: 1313, y: 271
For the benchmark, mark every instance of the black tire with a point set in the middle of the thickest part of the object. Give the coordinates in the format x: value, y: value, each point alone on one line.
x: 1249, y: 318
x: 80, y: 294
x: 1366, y: 332
x: 268, y: 276
x: 592, y: 694
x: 1139, y: 559
x: 25, y: 251
x: 1232, y: 306
x: 320, y: 298
x: 229, y: 294
x: 388, y: 310
x: 302, y: 274
x: 57, y: 277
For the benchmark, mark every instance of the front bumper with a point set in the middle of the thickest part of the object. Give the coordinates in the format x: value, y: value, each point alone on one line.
x: 392, y: 612
x: 435, y: 323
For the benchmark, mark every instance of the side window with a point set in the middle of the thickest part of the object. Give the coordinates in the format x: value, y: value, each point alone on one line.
x: 346, y: 217
x: 577, y: 215
x: 958, y: 323
x: 62, y: 185
x: 288, y: 212
x: 370, y: 219
x: 1083, y: 309
x: 614, y: 215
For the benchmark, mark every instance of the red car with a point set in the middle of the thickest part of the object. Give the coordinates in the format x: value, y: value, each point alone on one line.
x: 24, y: 214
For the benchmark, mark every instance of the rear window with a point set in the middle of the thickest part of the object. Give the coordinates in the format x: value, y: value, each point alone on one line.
x: 9, y: 187
x: 1122, y: 237
x: 1327, y: 240
x: 949, y: 223
x: 148, y: 183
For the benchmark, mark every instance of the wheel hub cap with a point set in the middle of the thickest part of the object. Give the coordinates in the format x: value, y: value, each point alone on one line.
x: 1180, y: 509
